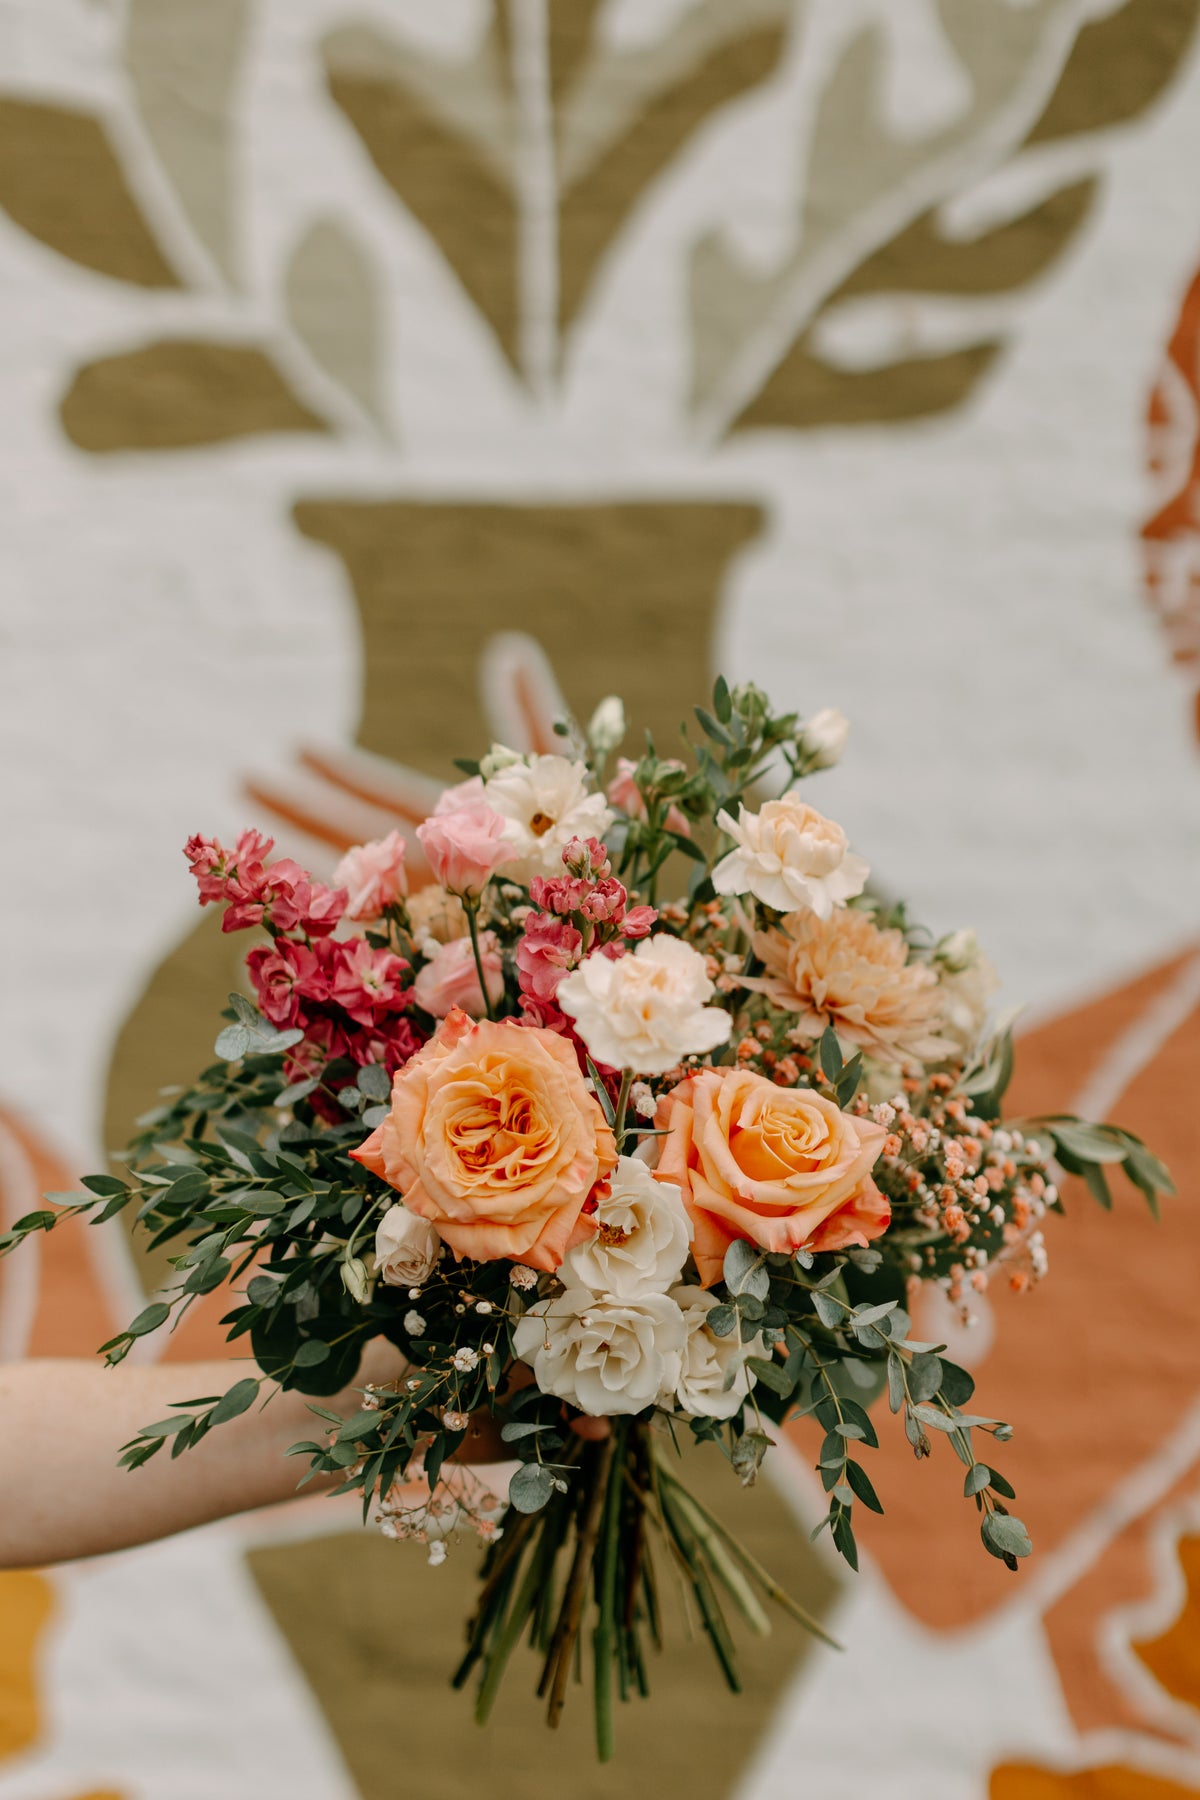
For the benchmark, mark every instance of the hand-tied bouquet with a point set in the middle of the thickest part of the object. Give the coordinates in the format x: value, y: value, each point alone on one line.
x: 620, y: 1172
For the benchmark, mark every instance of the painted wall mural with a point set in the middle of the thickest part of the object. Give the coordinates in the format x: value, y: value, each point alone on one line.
x: 419, y: 371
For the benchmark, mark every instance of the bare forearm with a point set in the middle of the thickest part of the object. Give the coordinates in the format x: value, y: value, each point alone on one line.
x: 62, y: 1424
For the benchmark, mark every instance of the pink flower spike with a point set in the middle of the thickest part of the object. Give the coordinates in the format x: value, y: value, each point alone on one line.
x: 548, y: 949
x: 367, y: 982
x: 373, y: 876
x: 639, y: 922
x: 588, y: 858
x: 464, y: 848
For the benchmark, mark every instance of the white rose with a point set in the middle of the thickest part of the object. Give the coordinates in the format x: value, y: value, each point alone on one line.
x: 406, y: 1248
x: 713, y: 1378
x: 967, y: 988
x: 602, y: 1354
x: 545, y: 802
x: 791, y: 857
x: 823, y: 737
x: 641, y: 1239
x: 646, y: 1011
x: 606, y: 727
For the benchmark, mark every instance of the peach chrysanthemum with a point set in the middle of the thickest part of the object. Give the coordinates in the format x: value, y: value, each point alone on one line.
x: 845, y: 972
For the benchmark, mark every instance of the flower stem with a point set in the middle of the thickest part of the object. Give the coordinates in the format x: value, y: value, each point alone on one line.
x: 604, y: 1642
x: 622, y: 1104
x: 566, y: 1632
x: 472, y: 909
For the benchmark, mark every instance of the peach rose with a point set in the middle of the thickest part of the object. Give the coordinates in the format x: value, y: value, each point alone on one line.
x: 493, y: 1137
x: 782, y: 1167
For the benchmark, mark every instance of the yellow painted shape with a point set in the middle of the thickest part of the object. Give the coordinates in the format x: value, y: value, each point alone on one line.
x: 1023, y: 1781
x: 1173, y: 1658
x: 26, y: 1603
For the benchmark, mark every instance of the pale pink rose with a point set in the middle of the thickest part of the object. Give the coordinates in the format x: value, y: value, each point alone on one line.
x: 464, y: 848
x: 463, y: 793
x: 626, y: 796
x: 451, y: 979
x: 373, y: 876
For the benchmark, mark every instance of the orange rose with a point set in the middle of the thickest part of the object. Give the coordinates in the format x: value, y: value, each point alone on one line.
x: 783, y: 1167
x: 494, y: 1139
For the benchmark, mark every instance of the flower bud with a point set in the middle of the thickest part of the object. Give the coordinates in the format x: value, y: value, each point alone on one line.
x: 606, y: 727
x: 823, y: 738
x: 498, y: 757
x: 958, y: 951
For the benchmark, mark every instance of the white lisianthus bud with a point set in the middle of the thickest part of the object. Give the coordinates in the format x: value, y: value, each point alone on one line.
x: 647, y: 1011
x: 791, y: 857
x: 357, y: 1278
x: 601, y: 1354
x: 713, y: 1377
x: 606, y: 727
x: 958, y: 950
x: 641, y: 1239
x: 406, y: 1248
x: 498, y: 757
x: 823, y: 737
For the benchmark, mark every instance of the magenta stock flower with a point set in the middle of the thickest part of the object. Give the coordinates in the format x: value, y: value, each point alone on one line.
x: 365, y: 981
x: 284, y: 975
x: 373, y: 876
x: 216, y: 868
x: 465, y: 847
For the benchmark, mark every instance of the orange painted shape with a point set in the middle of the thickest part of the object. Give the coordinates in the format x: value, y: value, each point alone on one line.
x: 26, y: 1603
x: 1115, y: 1280
x: 1024, y: 1781
x: 1173, y: 1658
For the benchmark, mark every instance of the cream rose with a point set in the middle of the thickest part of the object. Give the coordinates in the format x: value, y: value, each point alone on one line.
x: 544, y: 802
x: 602, y: 1354
x: 789, y: 856
x: 784, y: 1168
x: 845, y: 972
x: 713, y: 1378
x: 494, y: 1139
x: 641, y: 1240
x: 406, y: 1248
x: 646, y: 1011
x: 823, y: 738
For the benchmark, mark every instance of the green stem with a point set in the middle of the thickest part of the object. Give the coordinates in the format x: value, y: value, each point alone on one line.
x: 472, y: 909
x: 622, y: 1104
x: 603, y: 1640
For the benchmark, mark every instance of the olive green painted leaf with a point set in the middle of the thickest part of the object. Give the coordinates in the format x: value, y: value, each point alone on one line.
x: 756, y: 359
x: 1118, y: 66
x: 440, y: 133
x: 624, y: 114
x: 183, y: 59
x: 333, y: 304
x: 61, y: 181
x: 179, y: 393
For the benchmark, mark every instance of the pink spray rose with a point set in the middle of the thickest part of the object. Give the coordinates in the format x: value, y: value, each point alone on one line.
x: 464, y: 848
x: 451, y: 979
x: 373, y: 876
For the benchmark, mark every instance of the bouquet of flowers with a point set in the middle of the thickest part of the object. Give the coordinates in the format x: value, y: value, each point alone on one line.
x: 619, y: 1171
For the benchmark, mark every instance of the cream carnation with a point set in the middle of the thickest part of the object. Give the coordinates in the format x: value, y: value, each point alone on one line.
x: 845, y: 972
x: 544, y: 802
x: 406, y: 1248
x: 789, y: 856
x: 713, y: 1378
x: 641, y: 1239
x: 968, y: 982
x: 602, y: 1354
x: 647, y: 1011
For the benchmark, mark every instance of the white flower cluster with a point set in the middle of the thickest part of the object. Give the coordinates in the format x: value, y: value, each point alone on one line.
x: 624, y: 1334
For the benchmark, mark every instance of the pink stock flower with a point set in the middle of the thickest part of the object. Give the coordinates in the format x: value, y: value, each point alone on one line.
x: 547, y: 950
x: 215, y: 868
x: 587, y: 857
x: 465, y: 847
x: 626, y: 796
x: 283, y: 974
x: 373, y: 876
x: 391, y: 1043
x: 451, y: 979
x: 639, y: 921
x: 320, y: 907
x: 561, y: 894
x: 366, y: 981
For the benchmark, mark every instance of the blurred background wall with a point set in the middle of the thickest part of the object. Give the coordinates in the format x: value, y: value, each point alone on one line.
x: 373, y: 374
